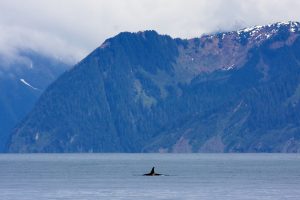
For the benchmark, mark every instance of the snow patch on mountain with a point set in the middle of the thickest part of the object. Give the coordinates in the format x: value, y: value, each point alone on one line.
x: 228, y: 68
x: 37, y: 135
x: 26, y: 83
x: 260, y: 33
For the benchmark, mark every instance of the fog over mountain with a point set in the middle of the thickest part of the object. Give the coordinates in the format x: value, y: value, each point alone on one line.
x: 72, y: 29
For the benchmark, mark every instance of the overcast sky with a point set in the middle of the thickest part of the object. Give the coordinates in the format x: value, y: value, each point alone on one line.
x: 70, y: 29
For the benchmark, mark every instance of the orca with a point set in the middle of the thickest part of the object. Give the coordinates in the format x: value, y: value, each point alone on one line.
x: 152, y: 173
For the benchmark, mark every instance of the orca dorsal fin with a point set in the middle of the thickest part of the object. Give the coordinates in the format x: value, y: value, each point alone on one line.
x: 152, y: 171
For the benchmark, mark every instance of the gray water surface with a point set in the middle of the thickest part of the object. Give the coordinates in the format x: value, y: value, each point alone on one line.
x: 118, y: 176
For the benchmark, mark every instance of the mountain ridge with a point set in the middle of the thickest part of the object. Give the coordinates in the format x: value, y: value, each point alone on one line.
x: 145, y: 92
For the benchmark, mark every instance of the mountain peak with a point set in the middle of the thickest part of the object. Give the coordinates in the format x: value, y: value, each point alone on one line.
x: 129, y: 35
x: 292, y: 25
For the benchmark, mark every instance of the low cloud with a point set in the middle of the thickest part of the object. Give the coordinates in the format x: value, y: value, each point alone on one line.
x: 70, y: 29
x: 15, y: 39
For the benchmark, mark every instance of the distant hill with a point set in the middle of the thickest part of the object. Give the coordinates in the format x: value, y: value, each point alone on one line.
x: 22, y: 80
x: 144, y: 92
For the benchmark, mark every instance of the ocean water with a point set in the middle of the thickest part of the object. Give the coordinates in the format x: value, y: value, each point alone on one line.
x: 119, y: 176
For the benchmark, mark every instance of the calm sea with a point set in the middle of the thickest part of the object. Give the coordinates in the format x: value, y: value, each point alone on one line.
x: 118, y: 176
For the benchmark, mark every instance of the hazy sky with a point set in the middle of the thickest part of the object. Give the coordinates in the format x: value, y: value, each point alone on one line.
x: 70, y: 29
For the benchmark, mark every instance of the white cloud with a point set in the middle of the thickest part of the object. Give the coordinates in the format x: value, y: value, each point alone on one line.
x: 14, y: 38
x: 72, y: 28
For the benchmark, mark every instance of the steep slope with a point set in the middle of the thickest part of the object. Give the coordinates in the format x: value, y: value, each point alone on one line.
x: 227, y: 92
x: 22, y: 81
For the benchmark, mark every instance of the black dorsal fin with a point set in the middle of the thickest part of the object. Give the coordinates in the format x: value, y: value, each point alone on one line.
x: 152, y: 171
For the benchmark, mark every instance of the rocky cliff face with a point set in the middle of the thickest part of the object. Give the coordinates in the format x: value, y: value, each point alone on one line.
x: 145, y: 92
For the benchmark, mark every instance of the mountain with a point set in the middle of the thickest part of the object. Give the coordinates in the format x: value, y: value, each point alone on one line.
x: 22, y: 80
x: 235, y: 91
